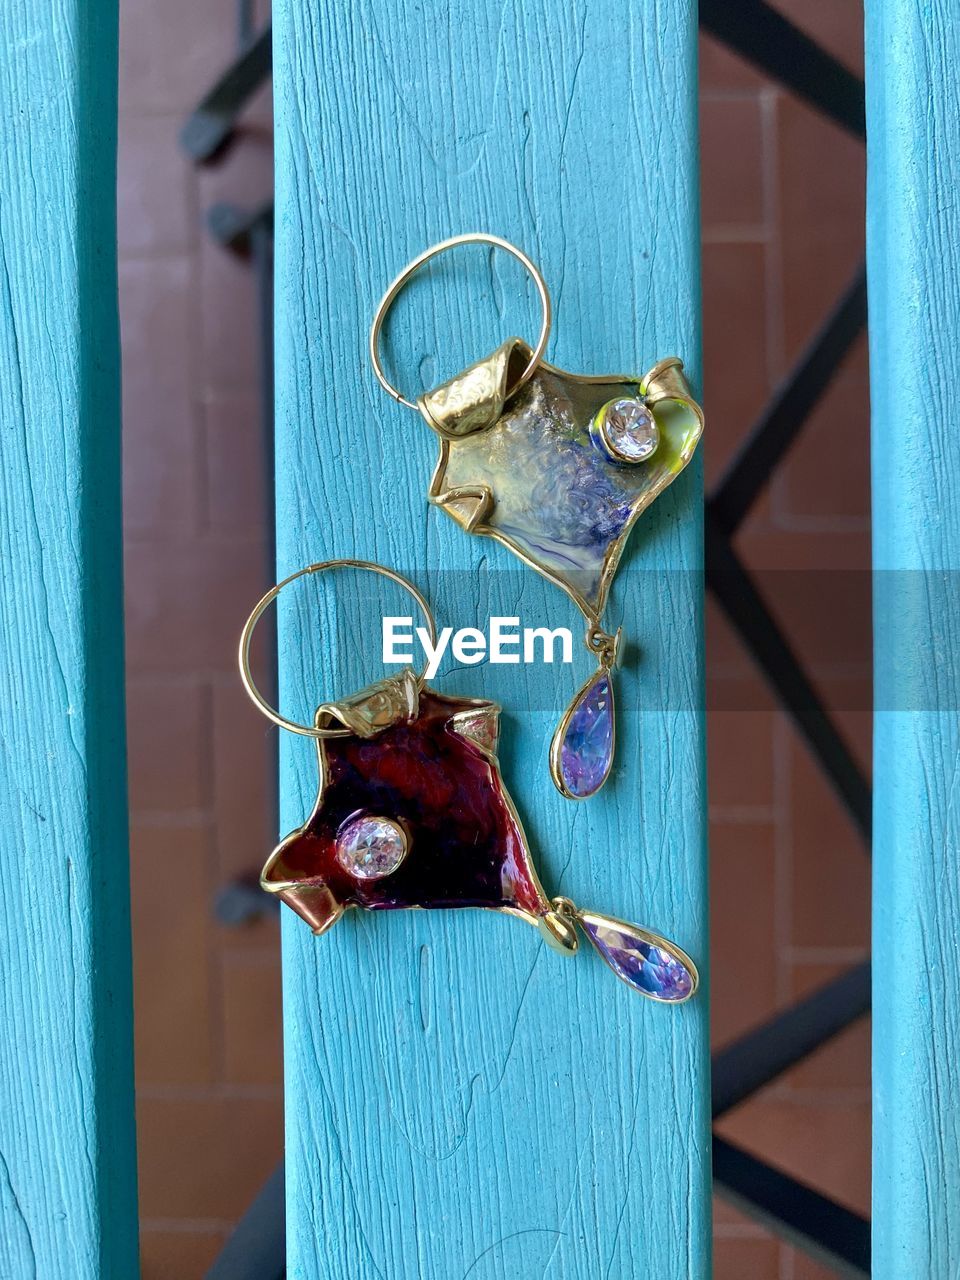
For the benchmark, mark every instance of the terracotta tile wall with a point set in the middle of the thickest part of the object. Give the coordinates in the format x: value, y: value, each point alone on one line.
x: 782, y: 230
x: 207, y: 999
x: 783, y: 215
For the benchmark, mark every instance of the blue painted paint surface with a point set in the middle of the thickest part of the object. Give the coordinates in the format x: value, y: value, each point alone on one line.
x: 913, y: 102
x: 67, y: 1158
x: 463, y: 1102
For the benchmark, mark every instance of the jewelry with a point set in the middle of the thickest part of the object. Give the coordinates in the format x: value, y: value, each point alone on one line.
x: 412, y: 812
x: 558, y: 467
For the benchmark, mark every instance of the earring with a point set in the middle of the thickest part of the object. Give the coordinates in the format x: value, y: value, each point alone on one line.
x: 412, y: 811
x: 558, y: 467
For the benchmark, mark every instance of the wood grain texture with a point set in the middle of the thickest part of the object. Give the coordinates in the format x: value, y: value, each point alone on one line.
x: 67, y: 1159
x: 463, y: 1102
x: 913, y: 111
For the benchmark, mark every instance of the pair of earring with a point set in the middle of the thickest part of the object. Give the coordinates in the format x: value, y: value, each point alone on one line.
x: 411, y: 808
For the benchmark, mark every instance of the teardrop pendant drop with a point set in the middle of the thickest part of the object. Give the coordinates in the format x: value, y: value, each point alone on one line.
x: 581, y: 753
x: 643, y: 960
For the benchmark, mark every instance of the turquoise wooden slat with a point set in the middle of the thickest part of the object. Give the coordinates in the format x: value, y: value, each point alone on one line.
x: 67, y: 1161
x: 463, y: 1102
x: 913, y: 112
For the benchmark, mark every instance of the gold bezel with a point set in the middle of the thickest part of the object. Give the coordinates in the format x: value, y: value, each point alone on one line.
x: 600, y: 431
x: 656, y: 940
x: 556, y: 742
x: 401, y: 828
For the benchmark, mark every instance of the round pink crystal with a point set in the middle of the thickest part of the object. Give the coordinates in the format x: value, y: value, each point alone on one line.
x: 371, y: 847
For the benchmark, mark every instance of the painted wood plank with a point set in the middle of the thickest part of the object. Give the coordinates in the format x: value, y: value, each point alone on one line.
x: 913, y: 115
x: 461, y: 1101
x: 67, y: 1160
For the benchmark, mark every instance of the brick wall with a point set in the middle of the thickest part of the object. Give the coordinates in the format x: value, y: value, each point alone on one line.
x: 207, y: 999
x: 783, y: 210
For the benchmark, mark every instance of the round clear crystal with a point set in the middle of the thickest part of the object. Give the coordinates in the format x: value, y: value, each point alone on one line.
x: 629, y: 431
x: 370, y: 847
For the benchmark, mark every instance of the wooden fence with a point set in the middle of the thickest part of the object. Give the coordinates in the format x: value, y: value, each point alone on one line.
x: 460, y: 1102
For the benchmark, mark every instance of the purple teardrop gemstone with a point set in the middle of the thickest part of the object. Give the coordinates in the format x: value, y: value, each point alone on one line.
x: 586, y: 750
x: 635, y: 956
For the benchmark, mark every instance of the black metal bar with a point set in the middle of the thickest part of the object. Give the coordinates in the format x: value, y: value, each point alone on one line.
x: 742, y: 603
x: 834, y: 1235
x: 772, y: 43
x: 838, y: 1237
x: 234, y: 227
x: 257, y: 1246
x: 261, y: 251
x: 241, y: 901
x: 778, y: 426
x: 256, y: 1250
x: 212, y: 121
x: 746, y: 1065
x: 249, y: 233
x: 246, y: 23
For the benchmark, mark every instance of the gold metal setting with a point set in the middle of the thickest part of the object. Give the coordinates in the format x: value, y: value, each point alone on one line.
x: 560, y: 733
x: 399, y: 829
x: 654, y: 940
x: 605, y: 648
x: 601, y: 427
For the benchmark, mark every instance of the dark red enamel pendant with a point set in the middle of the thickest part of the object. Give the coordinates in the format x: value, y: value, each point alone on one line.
x: 412, y: 812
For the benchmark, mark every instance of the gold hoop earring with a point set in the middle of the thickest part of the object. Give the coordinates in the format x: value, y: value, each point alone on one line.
x: 246, y: 636
x: 411, y: 269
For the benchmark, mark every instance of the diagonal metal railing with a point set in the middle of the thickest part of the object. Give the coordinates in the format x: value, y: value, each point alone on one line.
x: 821, y: 1227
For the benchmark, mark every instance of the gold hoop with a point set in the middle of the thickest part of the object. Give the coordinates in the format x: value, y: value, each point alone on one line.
x: 311, y: 731
x: 410, y: 270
